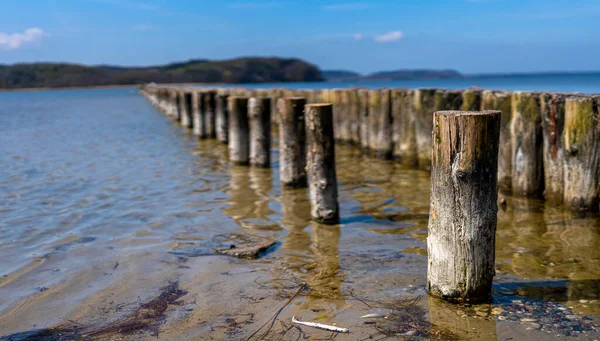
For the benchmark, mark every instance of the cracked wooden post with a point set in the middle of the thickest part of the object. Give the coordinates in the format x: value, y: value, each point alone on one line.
x: 463, y: 209
x: 501, y: 100
x: 292, y: 141
x: 222, y: 117
x: 259, y: 116
x: 186, y: 109
x: 582, y: 154
x: 320, y: 163
x: 209, y: 114
x: 527, y: 144
x: 239, y: 136
x: 553, y: 120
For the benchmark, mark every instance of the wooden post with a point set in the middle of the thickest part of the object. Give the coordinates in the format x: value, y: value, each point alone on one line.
x: 292, y: 141
x: 553, y: 120
x: 582, y: 153
x: 173, y: 104
x: 259, y: 115
x: 527, y: 144
x: 463, y: 211
x: 403, y: 117
x: 222, y: 117
x: 197, y: 119
x: 363, y: 104
x: 239, y: 136
x: 209, y: 114
x: 501, y: 100
x: 343, y: 108
x: 471, y: 100
x: 447, y: 100
x: 424, y: 100
x: 320, y: 163
x: 354, y: 116
x: 186, y: 114
x: 380, y: 123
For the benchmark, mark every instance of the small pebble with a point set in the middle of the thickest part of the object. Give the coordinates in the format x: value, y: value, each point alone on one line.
x: 497, y: 311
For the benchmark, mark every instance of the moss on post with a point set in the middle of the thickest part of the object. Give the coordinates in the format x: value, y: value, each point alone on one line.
x: 463, y: 211
x: 527, y: 144
x: 582, y: 153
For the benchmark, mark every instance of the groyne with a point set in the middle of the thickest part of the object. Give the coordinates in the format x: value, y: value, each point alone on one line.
x: 549, y: 142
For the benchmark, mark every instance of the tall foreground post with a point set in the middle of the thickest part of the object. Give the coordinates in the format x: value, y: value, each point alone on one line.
x: 292, y: 145
x: 462, y: 216
x: 259, y: 114
x: 320, y: 163
x: 239, y: 137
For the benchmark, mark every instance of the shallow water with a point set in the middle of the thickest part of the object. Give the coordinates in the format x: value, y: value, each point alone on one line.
x: 104, y: 201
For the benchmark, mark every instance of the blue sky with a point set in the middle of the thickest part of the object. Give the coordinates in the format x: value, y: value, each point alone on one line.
x: 472, y: 36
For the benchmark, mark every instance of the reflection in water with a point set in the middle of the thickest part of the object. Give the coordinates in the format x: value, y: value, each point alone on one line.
x: 326, y: 279
x: 249, y: 200
x: 454, y: 318
x: 295, y: 208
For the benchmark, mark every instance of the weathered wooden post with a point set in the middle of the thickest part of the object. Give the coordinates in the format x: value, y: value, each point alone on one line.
x: 222, y: 117
x: 526, y: 144
x: 501, y: 100
x: 363, y: 105
x: 463, y: 211
x: 239, y: 136
x: 424, y: 106
x: 259, y: 115
x: 403, y: 117
x: 354, y: 116
x: 186, y: 113
x: 447, y: 100
x: 292, y: 141
x: 582, y: 153
x: 553, y: 120
x: 197, y: 119
x: 320, y: 163
x: 173, y: 104
x: 471, y: 100
x: 209, y: 114
x: 380, y: 123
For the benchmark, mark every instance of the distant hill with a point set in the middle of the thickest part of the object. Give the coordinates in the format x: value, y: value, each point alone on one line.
x: 340, y: 75
x: 239, y: 70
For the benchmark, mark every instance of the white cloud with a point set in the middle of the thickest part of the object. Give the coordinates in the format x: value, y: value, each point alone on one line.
x: 389, y: 37
x: 350, y: 6
x: 358, y: 36
x: 17, y: 40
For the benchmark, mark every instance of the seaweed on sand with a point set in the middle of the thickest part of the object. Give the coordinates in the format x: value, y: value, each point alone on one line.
x: 146, y: 318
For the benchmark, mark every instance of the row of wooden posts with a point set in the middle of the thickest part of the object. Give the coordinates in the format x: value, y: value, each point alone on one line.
x: 464, y: 152
x: 549, y: 142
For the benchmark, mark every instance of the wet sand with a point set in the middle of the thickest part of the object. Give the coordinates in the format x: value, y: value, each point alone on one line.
x: 111, y: 215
